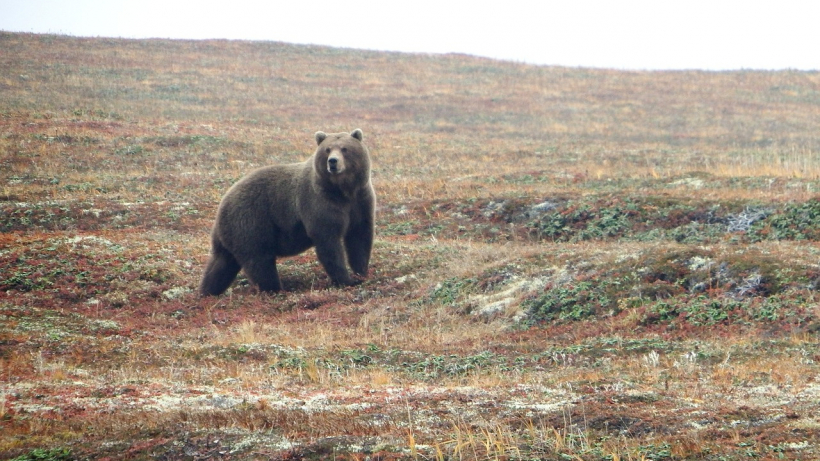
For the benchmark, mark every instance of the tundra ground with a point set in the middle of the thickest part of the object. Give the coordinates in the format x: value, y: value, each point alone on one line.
x: 570, y: 263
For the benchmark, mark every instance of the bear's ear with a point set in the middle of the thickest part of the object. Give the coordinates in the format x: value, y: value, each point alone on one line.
x: 320, y: 136
x: 357, y: 133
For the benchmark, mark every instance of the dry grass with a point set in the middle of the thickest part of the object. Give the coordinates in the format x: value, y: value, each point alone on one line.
x: 571, y: 263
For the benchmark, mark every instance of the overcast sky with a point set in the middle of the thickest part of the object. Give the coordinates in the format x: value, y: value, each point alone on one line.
x: 622, y: 34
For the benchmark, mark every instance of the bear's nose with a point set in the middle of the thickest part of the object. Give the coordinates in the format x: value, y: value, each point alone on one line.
x: 332, y: 161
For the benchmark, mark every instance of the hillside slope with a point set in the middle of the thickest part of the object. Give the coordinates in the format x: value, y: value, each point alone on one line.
x: 570, y: 263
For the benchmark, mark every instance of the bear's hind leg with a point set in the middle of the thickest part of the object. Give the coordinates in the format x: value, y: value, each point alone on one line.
x: 262, y: 271
x: 219, y: 273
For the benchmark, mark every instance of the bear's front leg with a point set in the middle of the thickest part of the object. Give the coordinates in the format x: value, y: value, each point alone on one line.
x: 358, y: 244
x: 331, y: 255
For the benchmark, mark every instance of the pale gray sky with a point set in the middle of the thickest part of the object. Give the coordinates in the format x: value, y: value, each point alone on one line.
x: 623, y: 34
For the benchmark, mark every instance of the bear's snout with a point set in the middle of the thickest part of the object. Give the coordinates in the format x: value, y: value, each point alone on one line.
x: 335, y: 164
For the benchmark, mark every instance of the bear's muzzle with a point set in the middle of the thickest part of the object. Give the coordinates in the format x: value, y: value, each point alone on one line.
x: 335, y: 164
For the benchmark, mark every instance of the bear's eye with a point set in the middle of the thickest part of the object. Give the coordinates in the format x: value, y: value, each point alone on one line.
x: 344, y: 150
x: 327, y: 150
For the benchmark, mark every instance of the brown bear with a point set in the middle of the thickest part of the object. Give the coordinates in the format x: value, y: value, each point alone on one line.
x: 326, y: 202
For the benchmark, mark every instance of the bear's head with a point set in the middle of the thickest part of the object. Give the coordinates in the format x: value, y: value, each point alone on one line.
x: 342, y: 159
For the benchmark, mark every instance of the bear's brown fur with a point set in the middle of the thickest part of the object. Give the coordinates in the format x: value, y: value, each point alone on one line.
x: 326, y: 202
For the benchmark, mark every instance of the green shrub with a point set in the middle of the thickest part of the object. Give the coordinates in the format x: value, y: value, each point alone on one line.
x: 569, y: 302
x: 799, y: 221
x: 53, y: 454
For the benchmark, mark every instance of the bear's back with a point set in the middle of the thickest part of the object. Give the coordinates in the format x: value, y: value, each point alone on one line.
x: 261, y: 200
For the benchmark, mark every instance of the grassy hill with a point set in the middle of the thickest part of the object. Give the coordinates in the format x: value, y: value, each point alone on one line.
x: 570, y: 263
